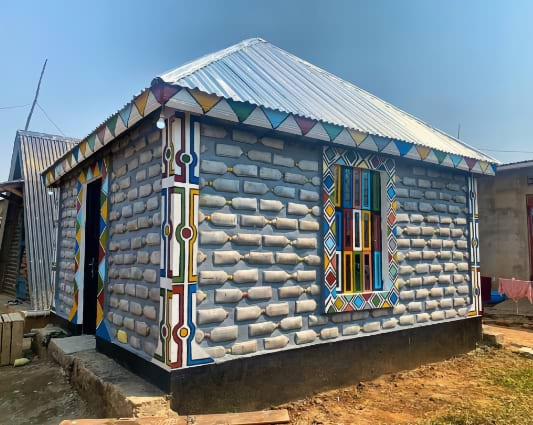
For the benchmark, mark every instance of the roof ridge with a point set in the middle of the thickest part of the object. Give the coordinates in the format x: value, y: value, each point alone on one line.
x: 52, y: 137
x: 210, y: 58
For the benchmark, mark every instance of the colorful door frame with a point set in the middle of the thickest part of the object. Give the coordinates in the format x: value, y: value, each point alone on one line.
x: 98, y: 169
x: 333, y: 301
x: 476, y: 307
x: 180, y: 195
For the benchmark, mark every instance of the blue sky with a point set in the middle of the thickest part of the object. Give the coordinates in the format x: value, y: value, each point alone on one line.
x: 445, y: 62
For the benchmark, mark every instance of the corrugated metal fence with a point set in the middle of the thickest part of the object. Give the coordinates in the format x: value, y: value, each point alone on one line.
x: 38, y: 151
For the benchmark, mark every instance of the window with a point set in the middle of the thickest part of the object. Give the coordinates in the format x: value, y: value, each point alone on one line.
x: 359, y: 230
x: 357, y: 195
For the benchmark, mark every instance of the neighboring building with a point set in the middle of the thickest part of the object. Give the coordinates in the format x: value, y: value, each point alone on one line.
x: 506, y: 222
x: 28, y: 235
x: 261, y: 228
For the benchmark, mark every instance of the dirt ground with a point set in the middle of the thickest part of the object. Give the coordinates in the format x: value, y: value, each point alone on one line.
x: 38, y: 394
x: 486, y: 386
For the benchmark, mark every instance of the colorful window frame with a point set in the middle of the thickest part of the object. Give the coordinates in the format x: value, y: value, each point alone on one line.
x: 352, y: 290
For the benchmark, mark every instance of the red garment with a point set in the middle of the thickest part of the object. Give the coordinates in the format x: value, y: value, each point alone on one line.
x: 516, y: 289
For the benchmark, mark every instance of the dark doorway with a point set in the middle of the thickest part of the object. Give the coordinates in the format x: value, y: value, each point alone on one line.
x: 90, y: 276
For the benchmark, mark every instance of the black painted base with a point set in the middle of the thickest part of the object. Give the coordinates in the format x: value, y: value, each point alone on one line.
x: 145, y: 369
x: 258, y: 382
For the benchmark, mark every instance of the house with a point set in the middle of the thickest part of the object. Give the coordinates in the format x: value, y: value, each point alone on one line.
x: 506, y: 222
x: 28, y: 235
x: 251, y: 228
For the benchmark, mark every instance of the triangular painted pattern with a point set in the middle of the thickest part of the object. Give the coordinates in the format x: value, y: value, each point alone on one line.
x: 196, y: 101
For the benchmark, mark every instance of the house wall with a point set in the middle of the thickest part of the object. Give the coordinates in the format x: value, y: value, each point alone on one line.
x: 504, y: 244
x: 131, y: 275
x: 132, y: 297
x: 259, y: 292
x: 65, y: 283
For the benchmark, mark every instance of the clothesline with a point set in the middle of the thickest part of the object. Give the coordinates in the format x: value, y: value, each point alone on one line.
x: 516, y: 289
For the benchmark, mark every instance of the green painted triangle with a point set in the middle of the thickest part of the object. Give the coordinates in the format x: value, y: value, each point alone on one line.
x: 91, y: 140
x: 440, y: 155
x: 241, y: 109
x: 112, y: 123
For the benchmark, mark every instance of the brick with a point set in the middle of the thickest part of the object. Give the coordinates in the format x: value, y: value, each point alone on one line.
x: 390, y: 323
x: 215, y: 352
x: 425, y: 207
x: 432, y: 305
x: 224, y: 333
x: 421, y: 293
x: 212, y: 167
x: 142, y: 329
x: 371, y: 327
x: 244, y: 137
x: 141, y: 291
x: 226, y: 185
x: 259, y: 257
x: 329, y: 333
x: 450, y: 314
x: 226, y: 257
x: 279, y: 309
x: 136, y: 309
x: 308, y: 225
x: 263, y: 328
x: 270, y: 173
x: 212, y: 201
x: 213, y: 315
x: 213, y: 131
x: 270, y: 205
x: 253, y: 221
x: 276, y: 342
x: 283, y: 161
x: 351, y: 330
x: 304, y: 337
x: 290, y: 323
x: 244, y: 203
x: 414, y: 306
x: 248, y: 313
x: 228, y: 295
x: 272, y: 143
x: 243, y: 170
x: 255, y: 188
x: 242, y: 348
x: 436, y: 292
x: 150, y: 276
x: 406, y: 320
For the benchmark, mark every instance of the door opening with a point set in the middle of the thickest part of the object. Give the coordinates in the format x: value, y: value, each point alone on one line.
x: 529, y: 203
x: 90, y: 275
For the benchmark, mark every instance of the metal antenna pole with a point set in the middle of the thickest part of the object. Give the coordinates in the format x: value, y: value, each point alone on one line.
x: 36, y: 96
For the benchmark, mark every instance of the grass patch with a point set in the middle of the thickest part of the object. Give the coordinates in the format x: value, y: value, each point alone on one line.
x: 508, y: 413
x: 518, y: 380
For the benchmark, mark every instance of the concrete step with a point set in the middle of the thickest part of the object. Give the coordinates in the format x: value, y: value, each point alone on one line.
x: 109, y: 388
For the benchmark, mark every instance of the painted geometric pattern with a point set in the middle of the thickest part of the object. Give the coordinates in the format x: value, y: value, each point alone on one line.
x: 201, y: 103
x: 179, y: 245
x: 335, y: 301
x: 99, y: 169
x: 476, y: 306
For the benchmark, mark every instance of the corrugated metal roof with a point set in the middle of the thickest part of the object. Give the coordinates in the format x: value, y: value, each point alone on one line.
x: 262, y: 74
x: 515, y: 165
x: 37, y: 151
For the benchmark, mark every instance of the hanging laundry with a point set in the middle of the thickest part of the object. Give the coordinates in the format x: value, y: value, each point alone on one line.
x: 516, y: 289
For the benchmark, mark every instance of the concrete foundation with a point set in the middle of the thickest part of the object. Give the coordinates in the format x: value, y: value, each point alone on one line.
x: 108, y: 388
x: 259, y: 382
